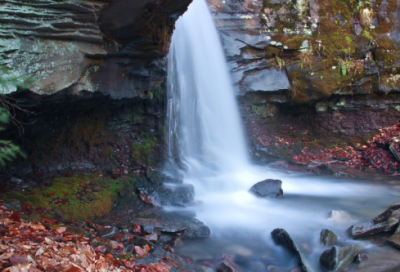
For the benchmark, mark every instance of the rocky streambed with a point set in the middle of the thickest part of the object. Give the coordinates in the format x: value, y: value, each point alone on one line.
x: 299, y: 223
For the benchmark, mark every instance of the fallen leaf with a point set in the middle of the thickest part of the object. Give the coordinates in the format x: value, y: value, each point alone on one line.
x: 140, y: 252
x: 60, y: 230
x: 15, y: 217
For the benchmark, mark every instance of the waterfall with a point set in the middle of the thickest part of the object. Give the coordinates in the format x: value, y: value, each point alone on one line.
x: 205, y: 134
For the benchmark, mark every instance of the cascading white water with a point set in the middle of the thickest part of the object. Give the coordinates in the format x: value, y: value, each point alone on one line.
x: 206, y: 139
x: 202, y: 107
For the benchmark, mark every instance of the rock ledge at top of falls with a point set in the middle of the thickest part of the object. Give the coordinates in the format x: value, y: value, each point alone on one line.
x: 269, y: 188
x: 113, y: 47
x: 386, y: 221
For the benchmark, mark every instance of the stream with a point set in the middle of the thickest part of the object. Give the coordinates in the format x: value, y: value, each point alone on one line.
x: 206, y: 143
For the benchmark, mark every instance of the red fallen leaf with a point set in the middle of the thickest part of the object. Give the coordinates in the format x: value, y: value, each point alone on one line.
x: 15, y: 217
x: 116, y: 219
x: 130, y: 239
x: 50, y: 194
x: 73, y: 268
x: 68, y: 175
x: 101, y: 249
x: 286, y: 132
x: 136, y: 229
x: 140, y: 252
x: 32, y: 194
x: 26, y: 207
x: 109, y: 258
x: 66, y: 194
x: 117, y: 172
x: 83, y: 185
x: 146, y: 248
x: 118, y: 237
x: 60, y: 201
x: 38, y: 175
x: 18, y: 259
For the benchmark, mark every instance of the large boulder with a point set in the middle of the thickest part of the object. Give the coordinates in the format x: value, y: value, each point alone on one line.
x: 383, y: 222
x: 338, y: 257
x: 282, y: 238
x: 269, y: 188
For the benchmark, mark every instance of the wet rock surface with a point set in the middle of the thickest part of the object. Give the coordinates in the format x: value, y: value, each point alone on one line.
x: 328, y: 237
x: 339, y: 257
x: 167, y: 195
x: 227, y: 265
x: 320, y: 168
x: 394, y: 240
x: 340, y: 217
x: 383, y: 222
x: 108, y: 233
x: 282, y: 238
x: 173, y: 222
x: 269, y: 188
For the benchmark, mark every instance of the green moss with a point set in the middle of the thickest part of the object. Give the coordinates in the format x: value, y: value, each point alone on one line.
x: 267, y: 4
x: 141, y: 151
x: 75, y: 198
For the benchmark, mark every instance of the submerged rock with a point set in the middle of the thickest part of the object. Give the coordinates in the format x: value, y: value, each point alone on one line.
x: 328, y: 237
x: 269, y: 188
x: 340, y: 217
x: 167, y: 195
x: 320, y: 168
x: 383, y: 222
x: 282, y: 238
x: 338, y: 257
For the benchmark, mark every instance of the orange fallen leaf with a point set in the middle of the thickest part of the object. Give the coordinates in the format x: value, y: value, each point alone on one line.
x: 60, y: 230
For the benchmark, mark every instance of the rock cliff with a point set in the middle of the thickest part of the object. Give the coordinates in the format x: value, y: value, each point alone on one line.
x: 324, y: 68
x: 114, y: 47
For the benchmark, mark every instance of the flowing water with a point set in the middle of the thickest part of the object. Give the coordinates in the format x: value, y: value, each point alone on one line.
x: 206, y: 139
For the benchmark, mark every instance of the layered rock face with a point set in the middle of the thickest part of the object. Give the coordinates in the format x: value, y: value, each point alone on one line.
x: 326, y: 68
x: 115, y: 47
